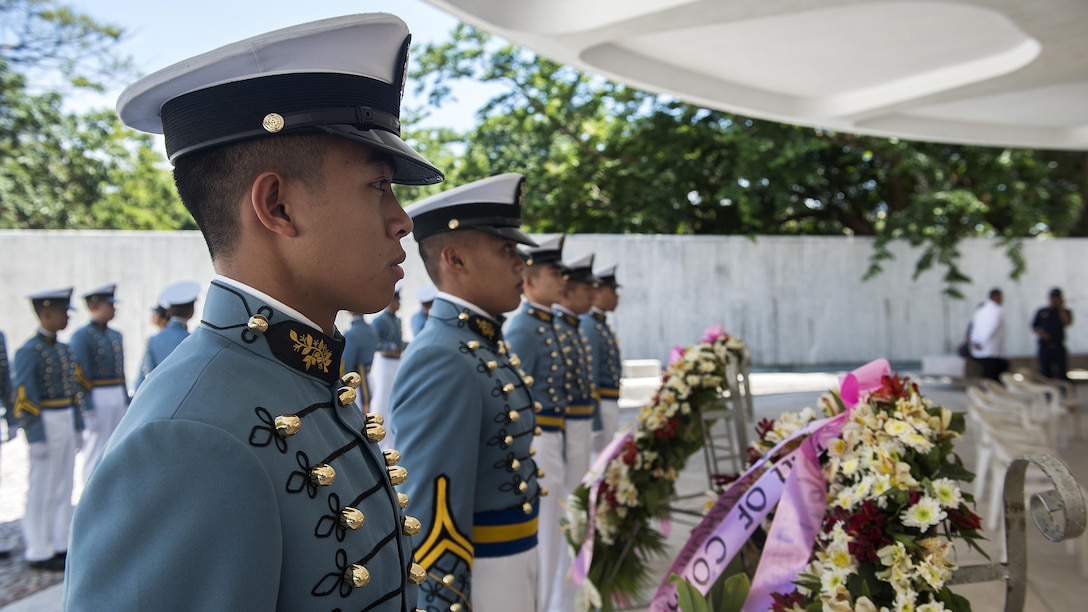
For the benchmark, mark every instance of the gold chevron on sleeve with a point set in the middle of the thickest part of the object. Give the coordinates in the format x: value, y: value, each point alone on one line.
x: 82, y: 379
x: 444, y: 536
x: 23, y: 403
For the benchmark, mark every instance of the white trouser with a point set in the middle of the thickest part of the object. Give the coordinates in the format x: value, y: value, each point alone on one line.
x: 109, y: 404
x: 579, y: 436
x: 550, y: 540
x: 382, y: 373
x: 610, y: 420
x: 48, y: 515
x: 504, y: 584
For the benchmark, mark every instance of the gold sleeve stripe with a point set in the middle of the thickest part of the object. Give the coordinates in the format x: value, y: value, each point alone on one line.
x: 444, y: 536
x: 23, y: 403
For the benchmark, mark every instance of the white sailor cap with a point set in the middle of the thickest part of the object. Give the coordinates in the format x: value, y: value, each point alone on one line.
x: 56, y: 298
x: 343, y: 76
x: 179, y: 294
x: 104, y: 293
x: 426, y: 293
x: 580, y: 270
x: 606, y: 276
x: 490, y: 205
x: 547, y: 251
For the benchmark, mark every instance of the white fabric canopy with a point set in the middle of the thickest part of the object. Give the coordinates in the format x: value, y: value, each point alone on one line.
x: 988, y: 72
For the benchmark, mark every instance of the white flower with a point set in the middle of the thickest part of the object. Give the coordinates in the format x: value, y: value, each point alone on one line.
x: 933, y: 606
x: 947, y: 493
x: 924, y: 514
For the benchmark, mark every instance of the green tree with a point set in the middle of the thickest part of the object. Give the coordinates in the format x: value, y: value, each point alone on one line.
x: 603, y: 157
x: 63, y: 170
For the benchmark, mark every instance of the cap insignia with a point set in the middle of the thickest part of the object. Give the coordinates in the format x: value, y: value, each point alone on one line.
x: 273, y: 122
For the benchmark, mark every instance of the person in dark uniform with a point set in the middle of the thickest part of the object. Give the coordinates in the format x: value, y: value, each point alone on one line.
x: 242, y: 477
x: 390, y: 332
x: 99, y: 351
x: 462, y: 411
x: 179, y: 301
x: 47, y: 408
x: 607, y: 365
x: 1049, y: 324
x: 360, y: 342
x: 533, y: 339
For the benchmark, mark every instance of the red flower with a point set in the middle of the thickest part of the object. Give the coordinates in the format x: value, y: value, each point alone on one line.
x: 865, y: 527
x: 668, y: 432
x: 788, y: 601
x: 962, y: 518
x: 892, y: 388
x: 764, y: 427
x: 630, y: 452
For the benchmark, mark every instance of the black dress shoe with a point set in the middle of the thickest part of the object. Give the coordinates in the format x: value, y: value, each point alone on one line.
x: 4, y: 554
x: 50, y: 565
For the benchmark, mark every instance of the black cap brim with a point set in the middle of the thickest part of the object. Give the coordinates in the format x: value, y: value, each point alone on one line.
x: 410, y: 168
x: 510, y: 233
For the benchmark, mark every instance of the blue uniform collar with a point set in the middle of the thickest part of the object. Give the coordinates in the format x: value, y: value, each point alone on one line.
x: 461, y: 316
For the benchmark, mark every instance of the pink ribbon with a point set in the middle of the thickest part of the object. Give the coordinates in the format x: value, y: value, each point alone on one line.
x: 593, y: 480
x: 713, y: 333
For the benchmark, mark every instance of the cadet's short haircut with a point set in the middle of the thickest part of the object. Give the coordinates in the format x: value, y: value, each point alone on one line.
x: 430, y: 249
x: 211, y: 182
x: 182, y: 310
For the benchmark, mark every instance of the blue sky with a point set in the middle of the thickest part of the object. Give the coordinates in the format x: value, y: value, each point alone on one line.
x: 161, y: 33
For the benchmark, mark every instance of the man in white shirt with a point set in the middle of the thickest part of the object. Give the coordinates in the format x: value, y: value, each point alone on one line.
x: 988, y: 336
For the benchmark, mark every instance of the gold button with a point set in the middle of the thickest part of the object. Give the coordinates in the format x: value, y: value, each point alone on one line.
x: 540, y: 330
x: 473, y: 345
x: 515, y: 464
x: 392, y: 456
x: 539, y: 473
x: 351, y: 379
x: 508, y: 440
x: 532, y: 452
x: 543, y: 492
x: 411, y: 526
x: 453, y: 224
x: 397, y: 474
x: 416, y: 573
x: 455, y: 607
x: 529, y: 380
x: 527, y: 508
x: 402, y: 500
x: 491, y: 365
x: 322, y: 475
x: 508, y: 388
x: 375, y: 418
x: 515, y: 360
x: 345, y: 395
x: 375, y: 433
x: 502, y: 349
x: 523, y: 487
x: 257, y: 324
x: 463, y: 316
x: 448, y: 580
x: 554, y: 354
x: 273, y: 122
x: 357, y: 575
x: 538, y: 406
x: 537, y: 431
x: 351, y: 518
x: 287, y: 425
x: 514, y: 416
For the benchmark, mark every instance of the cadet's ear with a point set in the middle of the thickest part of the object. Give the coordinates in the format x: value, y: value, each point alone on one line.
x: 268, y: 197
x: 452, y: 258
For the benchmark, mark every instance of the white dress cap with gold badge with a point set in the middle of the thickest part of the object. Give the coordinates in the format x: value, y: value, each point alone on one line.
x: 547, y: 251
x: 490, y: 205
x: 343, y: 76
x: 57, y: 298
x: 580, y: 270
x: 607, y: 276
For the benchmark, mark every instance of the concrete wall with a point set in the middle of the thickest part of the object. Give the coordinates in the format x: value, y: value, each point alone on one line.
x: 796, y: 301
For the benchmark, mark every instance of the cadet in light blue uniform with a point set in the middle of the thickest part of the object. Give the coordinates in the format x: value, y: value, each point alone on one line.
x: 360, y: 342
x: 179, y: 300
x: 6, y: 399
x: 387, y: 327
x: 462, y: 411
x: 99, y: 351
x: 533, y: 339
x: 425, y: 295
x: 575, y: 299
x: 47, y: 409
x: 243, y: 478
x: 607, y: 366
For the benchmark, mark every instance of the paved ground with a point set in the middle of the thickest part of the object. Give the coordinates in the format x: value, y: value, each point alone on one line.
x: 1056, y: 582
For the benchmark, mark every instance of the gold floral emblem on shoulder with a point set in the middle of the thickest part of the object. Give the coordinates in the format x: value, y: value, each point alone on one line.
x: 314, y: 351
